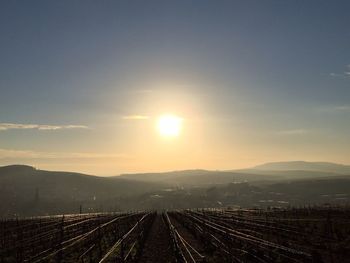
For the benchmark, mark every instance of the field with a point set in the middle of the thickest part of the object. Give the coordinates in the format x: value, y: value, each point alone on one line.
x: 315, y: 234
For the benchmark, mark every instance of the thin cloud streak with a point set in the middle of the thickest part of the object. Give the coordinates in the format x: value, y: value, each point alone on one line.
x: 142, y: 91
x: 335, y: 108
x: 342, y: 108
x: 345, y: 74
x: 20, y: 126
x: 293, y: 132
x: 28, y: 154
x: 135, y: 117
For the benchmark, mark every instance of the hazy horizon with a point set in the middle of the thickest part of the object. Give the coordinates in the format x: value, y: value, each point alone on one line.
x: 117, y: 87
x: 176, y: 170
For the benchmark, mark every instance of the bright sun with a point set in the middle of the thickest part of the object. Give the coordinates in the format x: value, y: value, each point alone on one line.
x: 169, y: 125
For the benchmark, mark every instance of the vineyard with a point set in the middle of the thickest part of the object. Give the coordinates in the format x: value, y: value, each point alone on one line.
x: 202, y: 235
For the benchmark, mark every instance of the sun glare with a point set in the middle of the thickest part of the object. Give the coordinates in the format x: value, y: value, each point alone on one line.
x: 169, y: 125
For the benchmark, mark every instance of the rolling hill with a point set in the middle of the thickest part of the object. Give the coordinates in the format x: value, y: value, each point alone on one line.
x: 264, y: 172
x: 25, y: 190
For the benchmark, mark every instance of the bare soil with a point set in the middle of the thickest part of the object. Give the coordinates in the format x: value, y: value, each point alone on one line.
x: 158, y: 247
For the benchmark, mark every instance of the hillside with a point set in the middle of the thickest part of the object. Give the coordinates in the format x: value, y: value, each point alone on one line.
x: 264, y: 172
x: 24, y: 188
x: 305, y: 166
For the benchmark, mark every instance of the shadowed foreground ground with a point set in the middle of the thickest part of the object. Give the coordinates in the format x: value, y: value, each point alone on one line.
x: 158, y: 247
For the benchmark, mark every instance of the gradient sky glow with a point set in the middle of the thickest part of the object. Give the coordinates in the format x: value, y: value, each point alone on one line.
x: 82, y: 83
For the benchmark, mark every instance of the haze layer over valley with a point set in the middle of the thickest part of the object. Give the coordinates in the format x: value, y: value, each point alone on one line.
x: 29, y: 191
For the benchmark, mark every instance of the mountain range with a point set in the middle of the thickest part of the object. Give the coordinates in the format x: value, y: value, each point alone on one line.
x: 305, y: 166
x: 25, y: 190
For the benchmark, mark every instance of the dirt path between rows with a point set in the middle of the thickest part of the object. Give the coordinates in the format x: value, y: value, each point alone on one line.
x: 158, y: 247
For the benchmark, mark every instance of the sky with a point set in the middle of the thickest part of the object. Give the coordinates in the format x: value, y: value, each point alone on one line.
x: 83, y: 83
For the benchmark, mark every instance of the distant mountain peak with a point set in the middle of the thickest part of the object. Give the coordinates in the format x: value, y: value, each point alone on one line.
x: 306, y: 166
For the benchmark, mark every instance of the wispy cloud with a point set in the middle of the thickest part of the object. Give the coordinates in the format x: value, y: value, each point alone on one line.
x: 293, y: 132
x: 332, y: 74
x: 335, y: 108
x: 142, y: 91
x: 345, y: 74
x: 20, y: 126
x: 28, y: 154
x: 342, y: 108
x: 135, y: 117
